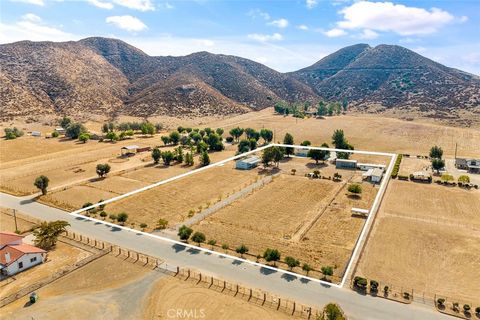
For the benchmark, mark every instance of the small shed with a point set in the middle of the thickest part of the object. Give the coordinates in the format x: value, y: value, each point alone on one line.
x: 360, y: 212
x: 36, y: 134
x: 129, y: 150
x: 368, y: 166
x: 60, y: 130
x: 374, y: 175
x: 301, y: 152
x: 247, y: 163
x: 421, y: 175
x: 345, y: 164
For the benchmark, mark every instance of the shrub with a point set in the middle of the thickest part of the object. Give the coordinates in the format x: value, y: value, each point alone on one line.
x: 440, y: 301
x: 355, y: 188
x: 402, y: 177
x: 360, y: 282
x: 113, y: 217
x: 103, y: 214
x: 229, y: 139
x: 386, y: 289
x: 143, y: 225
x: 477, y: 310
x: 373, y: 285
x: 406, y: 295
x: 198, y: 237
x: 55, y: 134
x: 184, y: 232
x: 463, y: 179
x: 446, y: 177
x: 162, y: 224
x: 122, y: 217
x: 466, y: 307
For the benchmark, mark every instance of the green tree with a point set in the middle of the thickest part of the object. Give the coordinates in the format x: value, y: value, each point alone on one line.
x: 266, y: 135
x: 306, y: 143
x: 103, y: 169
x: 355, y: 188
x: 306, y: 268
x: 292, y: 262
x: 236, y: 132
x: 112, y: 136
x: 271, y: 255
x: 253, y: 144
x: 178, y: 155
x: 184, y: 233
x: 162, y: 224
x: 242, y: 249
x: 214, y: 142
x: 244, y: 146
x: 165, y: 139
x: 74, y: 130
x: 148, y: 128
x: 122, y: 218
x: 438, y: 164
x: 41, y: 183
x: 278, y: 154
x: 322, y: 109
x: 156, y: 155
x: 332, y: 312
x: 103, y: 214
x: 327, y: 271
x: 219, y: 131
x: 330, y: 109
x: 198, y: 237
x: 288, y: 139
x: 267, y: 157
x: 47, y: 233
x: 345, y: 104
x: 174, y: 137
x: 65, y: 122
x: 84, y: 137
x: 204, y: 159
x: 55, y: 134
x: 167, y: 157
x: 436, y: 152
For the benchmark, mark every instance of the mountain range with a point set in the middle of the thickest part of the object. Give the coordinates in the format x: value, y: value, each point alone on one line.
x: 110, y: 77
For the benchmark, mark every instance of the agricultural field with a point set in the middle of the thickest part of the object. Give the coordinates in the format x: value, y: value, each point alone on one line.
x: 365, y: 132
x: 309, y: 219
x: 434, y: 232
x: 130, y: 292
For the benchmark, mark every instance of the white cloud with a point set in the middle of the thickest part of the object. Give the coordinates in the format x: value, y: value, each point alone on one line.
x: 257, y: 13
x: 335, y: 32
x: 265, y: 37
x: 303, y: 27
x: 368, y: 34
x: 398, y: 18
x: 142, y: 5
x: 311, y: 3
x: 463, y: 19
x: 280, y: 23
x: 127, y: 22
x: 35, y: 2
x: 101, y: 4
x: 166, y: 6
x: 32, y: 27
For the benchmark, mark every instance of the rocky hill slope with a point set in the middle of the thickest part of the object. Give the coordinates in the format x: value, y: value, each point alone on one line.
x: 111, y: 77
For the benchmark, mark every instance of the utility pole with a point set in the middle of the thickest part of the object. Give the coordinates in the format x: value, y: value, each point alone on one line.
x: 455, y: 150
x: 15, y: 218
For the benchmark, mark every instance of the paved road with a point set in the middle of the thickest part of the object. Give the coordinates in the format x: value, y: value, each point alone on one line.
x: 311, y: 293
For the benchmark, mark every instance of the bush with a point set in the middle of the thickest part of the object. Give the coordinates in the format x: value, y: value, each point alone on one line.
x: 402, y: 177
x: 355, y: 188
x: 373, y: 285
x: 360, y: 282
x: 463, y: 179
x: 55, y: 134
x: 162, y: 224
x: 440, y: 301
x: 229, y: 139
x: 477, y: 310
x: 466, y: 307
x: 406, y: 295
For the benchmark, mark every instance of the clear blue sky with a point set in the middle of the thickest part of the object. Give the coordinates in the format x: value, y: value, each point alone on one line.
x: 285, y: 35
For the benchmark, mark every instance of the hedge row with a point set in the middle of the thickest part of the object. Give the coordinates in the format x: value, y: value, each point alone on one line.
x: 396, y: 167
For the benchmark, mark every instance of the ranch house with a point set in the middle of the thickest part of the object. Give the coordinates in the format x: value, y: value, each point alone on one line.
x: 247, y: 163
x: 16, y: 256
x: 374, y: 175
x: 471, y: 165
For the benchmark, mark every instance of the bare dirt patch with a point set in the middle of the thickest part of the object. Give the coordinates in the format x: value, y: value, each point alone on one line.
x: 426, y: 238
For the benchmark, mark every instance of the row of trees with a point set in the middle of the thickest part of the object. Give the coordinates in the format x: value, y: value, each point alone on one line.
x: 323, y: 108
x: 13, y: 133
x: 270, y: 255
x: 179, y: 156
x: 436, y: 154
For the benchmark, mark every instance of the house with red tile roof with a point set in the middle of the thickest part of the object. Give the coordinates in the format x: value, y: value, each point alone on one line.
x: 16, y: 256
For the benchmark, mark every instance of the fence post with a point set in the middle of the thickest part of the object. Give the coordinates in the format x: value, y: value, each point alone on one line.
x: 264, y: 298
x: 293, y: 308
x: 199, y: 278
x: 188, y: 276
x: 178, y: 270
x: 250, y: 296
x: 309, y: 312
x: 279, y: 300
x: 128, y: 254
x: 211, y: 282
x: 224, y: 285
x: 236, y: 292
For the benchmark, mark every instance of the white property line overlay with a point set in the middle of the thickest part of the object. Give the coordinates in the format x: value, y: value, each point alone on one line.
x: 220, y: 163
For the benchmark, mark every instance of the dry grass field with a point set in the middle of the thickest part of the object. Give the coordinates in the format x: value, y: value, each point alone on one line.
x: 7, y: 221
x: 426, y: 238
x: 373, y: 133
x: 111, y: 288
x: 174, y: 200
x: 304, y: 218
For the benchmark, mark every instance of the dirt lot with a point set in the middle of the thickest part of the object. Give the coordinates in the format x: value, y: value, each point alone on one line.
x: 174, y: 200
x: 426, y: 237
x: 129, y: 292
x: 412, y: 164
x: 7, y: 221
x: 308, y: 219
